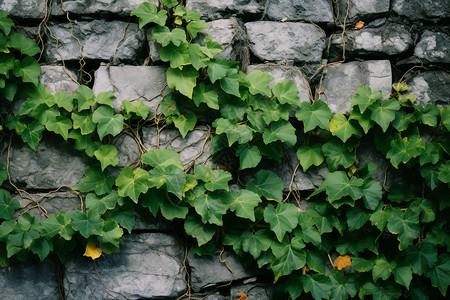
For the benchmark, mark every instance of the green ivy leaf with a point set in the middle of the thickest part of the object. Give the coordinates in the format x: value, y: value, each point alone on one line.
x: 249, y: 157
x: 32, y: 134
x: 164, y: 36
x: 3, y: 173
x: 217, y: 69
x: 169, y: 3
x: 356, y: 218
x: 173, y: 177
x: 105, y: 98
x: 101, y: 205
x: 343, y: 128
x: 445, y: 116
x: 5, y: 22
x: 108, y: 122
x: 317, y: 114
x: 258, y: 83
x: 280, y: 131
x: 124, y: 215
x: 289, y: 257
x: 430, y: 174
x: 256, y: 243
x: 235, y: 133
x: 403, y: 150
x: 310, y: 155
x: 244, y: 204
x: 337, y: 155
x: 111, y: 233
x: 282, y: 219
x: 196, y: 26
x: 59, y: 223
x: 64, y: 100
x: 162, y: 158
x: 444, y: 172
x: 95, y: 180
x: 286, y: 92
x: 428, y: 114
x: 85, y: 97
x: 406, y: 225
x: 440, y: 273
x: 402, y: 273
x: 267, y: 184
x: 139, y: 108
x: 384, y: 113
x: 195, y: 228
x: 24, y: 45
x: 206, y: 94
x: 212, y: 47
x: 185, y: 123
x: 60, y: 125
x: 41, y: 247
x: 363, y: 119
x: 338, y: 185
x: 87, y: 223
x: 211, y: 206
x: 132, y: 183
x: 343, y: 286
x: 219, y: 180
x: 317, y: 285
x: 381, y: 268
x: 421, y: 257
x: 230, y: 83
x: 364, y: 97
x: 233, y: 108
x: 83, y: 121
x: 178, y: 56
x: 385, y: 290
x: 183, y: 81
x: 29, y: 69
x: 372, y: 193
x: 147, y: 13
x: 7, y: 207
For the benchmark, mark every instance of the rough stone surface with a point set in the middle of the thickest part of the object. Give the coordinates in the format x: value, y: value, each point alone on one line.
x: 274, y: 41
x: 28, y: 281
x: 99, y: 39
x: 433, y: 47
x: 149, y: 265
x: 131, y: 83
x: 430, y: 87
x: 53, y: 165
x: 317, y: 11
x: 341, y: 81
x: 389, y: 39
x: 120, y: 8
x: 422, y: 9
x: 24, y: 9
x: 56, y: 79
x: 222, y: 9
x: 189, y: 148
x: 361, y: 9
x: 207, y: 271
x: 127, y: 150
x: 284, y: 72
x: 52, y: 203
x: 254, y: 292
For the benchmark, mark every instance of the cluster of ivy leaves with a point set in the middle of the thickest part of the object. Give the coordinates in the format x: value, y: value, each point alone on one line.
x: 395, y: 233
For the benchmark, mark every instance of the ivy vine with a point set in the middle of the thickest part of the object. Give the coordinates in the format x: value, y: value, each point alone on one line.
x: 395, y: 240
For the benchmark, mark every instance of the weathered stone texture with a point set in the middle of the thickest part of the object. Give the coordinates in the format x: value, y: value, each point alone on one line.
x: 422, y: 9
x: 99, y: 39
x: 361, y: 9
x: 430, y: 87
x: 207, y: 271
x: 53, y: 165
x: 389, y: 39
x: 433, y: 47
x: 28, y: 281
x: 274, y: 41
x: 145, y: 83
x: 57, y: 79
x: 127, y: 150
x: 24, y: 9
x: 252, y: 291
x: 341, y: 81
x: 317, y: 11
x: 222, y: 9
x: 194, y: 148
x: 120, y: 8
x: 150, y: 265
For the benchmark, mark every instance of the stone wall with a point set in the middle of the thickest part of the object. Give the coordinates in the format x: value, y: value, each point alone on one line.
x: 300, y: 40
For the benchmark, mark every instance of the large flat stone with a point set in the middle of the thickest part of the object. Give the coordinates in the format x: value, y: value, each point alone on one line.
x: 341, y: 81
x: 275, y: 41
x: 24, y: 9
x: 223, y: 9
x: 99, y: 39
x: 361, y: 9
x: 120, y: 8
x: 430, y: 87
x: 207, y: 271
x: 433, y: 47
x: 57, y: 79
x: 149, y: 265
x: 132, y: 83
x: 422, y: 9
x: 317, y: 11
x: 389, y: 39
x: 193, y: 149
x: 127, y: 150
x: 28, y: 281
x: 53, y: 165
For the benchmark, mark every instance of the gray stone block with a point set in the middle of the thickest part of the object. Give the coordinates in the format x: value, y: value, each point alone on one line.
x: 275, y: 41
x: 193, y: 149
x: 28, y: 281
x: 317, y: 11
x: 422, y: 9
x: 252, y: 291
x: 53, y: 165
x: 24, y: 9
x: 430, y: 87
x: 145, y: 83
x: 388, y: 39
x: 52, y: 203
x: 223, y: 9
x: 341, y: 81
x: 57, y: 79
x: 127, y: 150
x: 153, y: 47
x: 99, y: 39
x: 361, y: 9
x: 207, y: 271
x: 120, y: 8
x: 433, y: 47
x: 150, y: 265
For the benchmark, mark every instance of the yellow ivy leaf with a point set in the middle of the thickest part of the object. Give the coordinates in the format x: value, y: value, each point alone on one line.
x: 92, y: 251
x: 359, y: 25
x: 342, y: 262
x: 242, y: 296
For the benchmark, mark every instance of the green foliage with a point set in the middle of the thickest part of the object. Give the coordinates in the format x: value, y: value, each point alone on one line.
x: 395, y: 233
